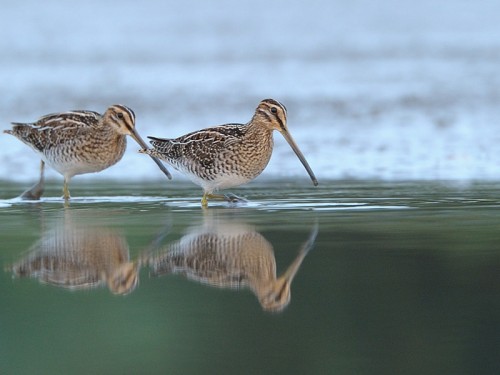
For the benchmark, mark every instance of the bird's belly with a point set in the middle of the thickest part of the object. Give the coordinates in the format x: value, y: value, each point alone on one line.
x: 224, y: 170
x: 71, y: 165
x: 218, y: 182
x: 74, y: 167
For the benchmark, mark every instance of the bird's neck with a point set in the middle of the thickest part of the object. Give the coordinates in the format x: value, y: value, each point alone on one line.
x: 108, y: 131
x: 256, y: 128
x: 259, y: 139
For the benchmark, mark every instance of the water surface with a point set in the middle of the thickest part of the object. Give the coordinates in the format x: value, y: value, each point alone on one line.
x: 399, y: 278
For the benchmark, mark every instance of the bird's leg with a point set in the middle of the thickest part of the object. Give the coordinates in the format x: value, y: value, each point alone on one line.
x: 66, y: 195
x: 36, y: 191
x: 233, y: 198
x: 204, y: 200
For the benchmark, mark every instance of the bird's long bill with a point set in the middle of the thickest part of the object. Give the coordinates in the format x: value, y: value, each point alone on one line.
x: 299, y: 154
x: 292, y: 269
x: 139, y: 140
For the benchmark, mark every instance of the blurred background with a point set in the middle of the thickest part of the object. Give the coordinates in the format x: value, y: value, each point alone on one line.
x: 391, y: 90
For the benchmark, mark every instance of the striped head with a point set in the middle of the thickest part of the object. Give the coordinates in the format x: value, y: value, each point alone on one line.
x: 121, y: 119
x: 124, y: 278
x: 272, y: 114
x: 277, y: 297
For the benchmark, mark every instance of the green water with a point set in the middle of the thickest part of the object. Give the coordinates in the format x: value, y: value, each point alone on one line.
x: 403, y: 278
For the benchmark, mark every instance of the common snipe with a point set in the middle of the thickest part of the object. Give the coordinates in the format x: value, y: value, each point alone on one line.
x: 79, y: 142
x: 230, y: 255
x: 76, y: 256
x: 228, y: 155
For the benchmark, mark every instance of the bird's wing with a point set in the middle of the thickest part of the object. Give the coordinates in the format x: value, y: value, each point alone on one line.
x: 201, y: 145
x: 65, y: 120
x: 51, y: 129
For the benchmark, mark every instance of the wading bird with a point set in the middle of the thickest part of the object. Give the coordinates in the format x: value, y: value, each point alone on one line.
x: 79, y: 142
x: 228, y: 155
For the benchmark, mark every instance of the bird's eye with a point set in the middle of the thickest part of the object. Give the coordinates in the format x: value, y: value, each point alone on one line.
x: 119, y: 115
x: 274, y: 110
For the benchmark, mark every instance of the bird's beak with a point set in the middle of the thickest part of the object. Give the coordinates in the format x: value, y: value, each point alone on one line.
x: 141, y: 143
x: 299, y: 154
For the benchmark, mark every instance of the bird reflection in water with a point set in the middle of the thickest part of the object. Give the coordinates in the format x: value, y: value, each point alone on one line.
x: 80, y: 257
x: 229, y: 255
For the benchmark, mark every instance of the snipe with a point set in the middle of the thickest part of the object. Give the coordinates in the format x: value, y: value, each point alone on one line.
x: 228, y: 155
x: 79, y: 142
x: 229, y: 254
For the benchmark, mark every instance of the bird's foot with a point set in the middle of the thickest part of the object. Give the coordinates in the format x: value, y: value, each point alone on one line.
x: 231, y: 198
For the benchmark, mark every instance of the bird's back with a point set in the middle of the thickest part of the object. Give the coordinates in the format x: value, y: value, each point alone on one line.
x: 199, y: 145
x: 55, y: 129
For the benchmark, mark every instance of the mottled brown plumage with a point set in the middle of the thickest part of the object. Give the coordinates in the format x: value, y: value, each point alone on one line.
x: 228, y: 155
x: 79, y: 142
x: 80, y: 257
x: 229, y: 255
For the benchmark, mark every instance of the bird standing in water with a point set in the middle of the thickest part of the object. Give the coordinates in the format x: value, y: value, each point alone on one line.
x: 228, y: 155
x: 79, y: 142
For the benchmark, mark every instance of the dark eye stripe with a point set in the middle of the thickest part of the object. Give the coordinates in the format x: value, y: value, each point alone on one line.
x: 276, y: 114
x: 125, y: 110
x: 125, y: 114
x: 282, y: 126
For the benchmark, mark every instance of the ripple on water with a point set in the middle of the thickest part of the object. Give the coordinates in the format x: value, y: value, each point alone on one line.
x: 271, y: 204
x: 325, y: 206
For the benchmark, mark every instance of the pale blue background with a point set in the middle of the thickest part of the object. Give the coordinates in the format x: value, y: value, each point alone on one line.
x: 374, y: 89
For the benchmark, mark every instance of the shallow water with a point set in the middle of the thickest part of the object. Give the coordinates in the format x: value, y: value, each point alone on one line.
x: 399, y: 278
